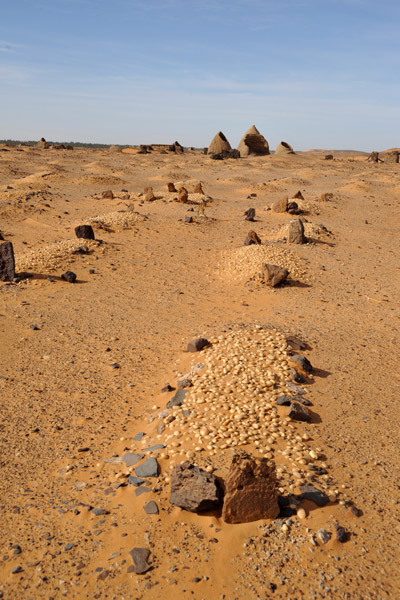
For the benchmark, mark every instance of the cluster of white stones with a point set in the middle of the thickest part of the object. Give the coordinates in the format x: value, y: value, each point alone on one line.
x: 53, y: 256
x: 243, y: 263
x: 232, y: 404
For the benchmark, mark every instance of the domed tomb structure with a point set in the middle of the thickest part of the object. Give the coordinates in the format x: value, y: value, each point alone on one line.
x: 284, y: 148
x: 253, y: 143
x: 219, y: 144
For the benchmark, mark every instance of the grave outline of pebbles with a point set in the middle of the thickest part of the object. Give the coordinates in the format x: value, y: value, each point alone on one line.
x: 249, y: 416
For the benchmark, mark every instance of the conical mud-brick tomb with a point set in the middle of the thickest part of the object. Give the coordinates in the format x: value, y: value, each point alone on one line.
x: 253, y: 143
x: 284, y: 148
x: 219, y: 144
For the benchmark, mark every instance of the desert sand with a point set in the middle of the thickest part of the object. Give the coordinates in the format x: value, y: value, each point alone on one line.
x: 83, y: 366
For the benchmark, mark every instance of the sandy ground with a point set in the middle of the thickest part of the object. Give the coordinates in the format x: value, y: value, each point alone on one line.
x: 80, y: 386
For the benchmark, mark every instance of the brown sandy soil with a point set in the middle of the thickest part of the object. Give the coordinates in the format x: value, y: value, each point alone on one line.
x: 153, y: 284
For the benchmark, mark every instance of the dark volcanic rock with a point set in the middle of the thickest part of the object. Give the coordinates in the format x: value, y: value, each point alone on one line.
x: 84, y: 232
x: 298, y: 412
x: 136, y: 481
x: 250, y: 214
x: 250, y: 490
x: 69, y: 276
x: 147, y: 469
x: 178, y: 399
x: 197, y: 344
x: 274, y: 275
x: 301, y: 362
x: 194, y: 489
x: 140, y: 557
x: 7, y: 262
x: 341, y: 534
x: 284, y: 401
x: 310, y: 492
x: 107, y: 195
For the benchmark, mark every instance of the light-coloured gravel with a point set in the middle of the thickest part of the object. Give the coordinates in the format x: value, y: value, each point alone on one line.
x: 241, y: 264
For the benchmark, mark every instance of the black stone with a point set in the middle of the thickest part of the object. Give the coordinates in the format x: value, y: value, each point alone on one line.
x: 341, y: 534
x: 69, y: 276
x: 250, y: 214
x: 309, y: 492
x: 283, y: 401
x: 178, y: 399
x: 7, y: 262
x: 136, y: 481
x: 100, y: 511
x: 84, y: 232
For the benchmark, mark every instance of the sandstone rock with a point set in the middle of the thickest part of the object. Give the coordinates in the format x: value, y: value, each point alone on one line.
x: 1, y: 237
x: 297, y: 412
x: 197, y: 344
x: 194, y: 489
x: 140, y: 557
x: 183, y: 195
x: 250, y: 490
x: 298, y: 196
x: 114, y: 148
x: 280, y: 206
x: 171, y: 187
x: 148, y: 194
x: 250, y: 214
x: 84, y: 232
x: 69, y: 276
x: 253, y: 143
x: 252, y: 238
x: 296, y: 232
x: 198, y: 188
x: 273, y: 275
x: 219, y: 143
x: 328, y: 157
x: 7, y: 262
x: 326, y: 196
x: 107, y: 195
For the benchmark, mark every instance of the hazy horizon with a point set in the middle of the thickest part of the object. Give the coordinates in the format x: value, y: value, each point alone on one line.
x: 313, y: 74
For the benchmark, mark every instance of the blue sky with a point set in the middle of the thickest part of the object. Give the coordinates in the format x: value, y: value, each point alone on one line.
x: 315, y: 73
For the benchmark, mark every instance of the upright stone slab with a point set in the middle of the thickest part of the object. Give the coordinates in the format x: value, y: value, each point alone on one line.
x: 7, y: 262
x: 250, y: 490
x: 296, y: 232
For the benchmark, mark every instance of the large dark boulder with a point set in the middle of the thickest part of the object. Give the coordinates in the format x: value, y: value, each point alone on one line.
x: 194, y: 489
x: 84, y: 232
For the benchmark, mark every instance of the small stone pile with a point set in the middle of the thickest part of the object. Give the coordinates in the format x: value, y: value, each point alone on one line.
x: 52, y: 257
x: 244, y: 263
x: 123, y: 219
